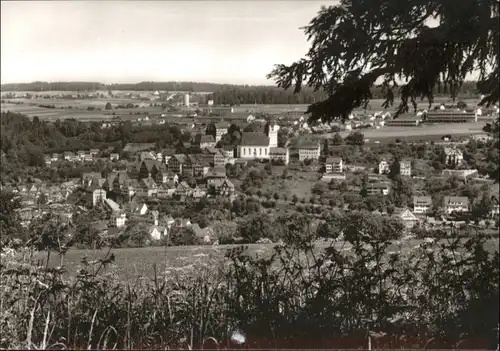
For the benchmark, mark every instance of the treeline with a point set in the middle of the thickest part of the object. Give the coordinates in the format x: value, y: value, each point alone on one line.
x: 24, y: 142
x: 223, y: 94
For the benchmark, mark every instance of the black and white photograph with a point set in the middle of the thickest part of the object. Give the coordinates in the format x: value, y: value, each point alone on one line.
x: 249, y: 174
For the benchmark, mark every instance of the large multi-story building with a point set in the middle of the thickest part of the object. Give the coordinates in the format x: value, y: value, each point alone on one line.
x: 450, y: 116
x: 405, y: 168
x: 453, y: 156
x: 334, y: 165
x: 456, y: 204
x: 309, y: 150
x: 279, y: 154
x: 220, y: 129
x: 403, y: 122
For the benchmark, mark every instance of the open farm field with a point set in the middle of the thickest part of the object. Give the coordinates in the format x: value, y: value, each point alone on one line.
x: 421, y: 131
x: 138, y: 263
x: 49, y: 114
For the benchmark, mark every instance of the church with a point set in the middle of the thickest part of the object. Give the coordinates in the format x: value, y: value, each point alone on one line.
x: 256, y: 145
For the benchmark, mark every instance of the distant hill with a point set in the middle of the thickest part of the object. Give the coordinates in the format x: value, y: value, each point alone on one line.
x: 222, y: 94
x: 145, y: 86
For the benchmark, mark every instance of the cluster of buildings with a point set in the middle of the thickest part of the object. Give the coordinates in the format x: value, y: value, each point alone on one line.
x: 80, y: 156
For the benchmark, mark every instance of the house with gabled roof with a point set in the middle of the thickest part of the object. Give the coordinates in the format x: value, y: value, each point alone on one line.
x: 94, y: 152
x: 176, y: 163
x: 378, y: 188
x: 203, y: 235
x: 147, y: 187
x: 198, y: 193
x: 183, y: 189
x: 215, y: 177
x: 226, y: 188
x: 138, y: 209
x: 456, y: 204
x: 453, y: 156
x: 207, y: 141
x: 406, y: 216
x: 221, y: 129
x: 422, y: 204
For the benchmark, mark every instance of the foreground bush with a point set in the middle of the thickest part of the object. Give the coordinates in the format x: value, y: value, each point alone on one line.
x: 434, y: 293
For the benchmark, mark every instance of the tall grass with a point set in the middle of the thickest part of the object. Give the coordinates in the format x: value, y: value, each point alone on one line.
x: 436, y: 294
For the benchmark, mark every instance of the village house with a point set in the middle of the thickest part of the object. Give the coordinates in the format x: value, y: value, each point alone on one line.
x: 406, y: 216
x: 334, y: 165
x: 219, y: 158
x: 150, y: 169
x: 147, y: 187
x: 215, y: 177
x: 383, y: 167
x: 54, y: 157
x: 228, y: 152
x: 456, y: 204
x: 378, y: 188
x: 405, y: 168
x: 166, y: 190
x: 118, y: 217
x: 495, y: 210
x: 220, y: 130
x: 422, y: 204
x: 74, y: 158
x: 68, y: 155
x: 226, y: 188
x: 279, y: 154
x: 87, y: 158
x: 453, y: 156
x: 147, y: 155
x: 81, y: 154
x: 198, y: 193
x: 167, y: 154
x: 157, y: 232
x: 207, y: 141
x: 138, y: 209
x: 183, y: 189
x: 176, y: 162
x: 309, y: 150
x: 94, y: 152
x: 114, y: 156
x: 463, y: 174
x: 203, y: 235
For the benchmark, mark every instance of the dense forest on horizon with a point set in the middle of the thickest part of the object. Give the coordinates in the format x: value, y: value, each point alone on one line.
x: 222, y: 94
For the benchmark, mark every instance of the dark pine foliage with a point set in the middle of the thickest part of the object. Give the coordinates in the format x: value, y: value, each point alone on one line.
x: 358, y: 44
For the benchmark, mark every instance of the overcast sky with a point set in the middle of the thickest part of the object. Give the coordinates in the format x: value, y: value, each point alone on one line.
x: 131, y: 41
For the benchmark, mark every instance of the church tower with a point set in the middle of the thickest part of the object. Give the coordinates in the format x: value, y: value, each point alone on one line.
x: 272, y: 133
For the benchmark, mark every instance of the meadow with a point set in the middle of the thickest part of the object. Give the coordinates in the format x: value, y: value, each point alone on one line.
x: 132, y: 264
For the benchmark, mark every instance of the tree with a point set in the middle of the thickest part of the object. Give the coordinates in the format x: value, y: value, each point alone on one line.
x: 282, y: 137
x: 108, y: 106
x: 461, y: 105
x: 337, y: 139
x: 326, y: 152
x: 211, y: 129
x: 355, y: 138
x: 355, y: 44
x: 394, y: 169
x: 256, y: 226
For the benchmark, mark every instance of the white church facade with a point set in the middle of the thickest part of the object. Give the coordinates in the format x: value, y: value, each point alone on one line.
x: 257, y: 145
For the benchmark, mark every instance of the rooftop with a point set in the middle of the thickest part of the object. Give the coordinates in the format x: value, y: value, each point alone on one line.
x: 254, y: 139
